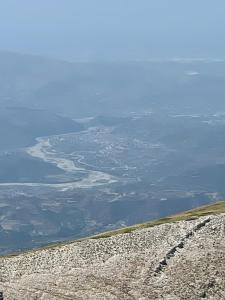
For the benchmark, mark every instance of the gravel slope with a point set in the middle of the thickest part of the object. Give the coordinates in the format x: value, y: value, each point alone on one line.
x: 182, y: 260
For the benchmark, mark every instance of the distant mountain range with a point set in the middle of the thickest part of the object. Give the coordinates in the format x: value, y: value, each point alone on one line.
x: 86, y: 89
x: 119, y: 143
x: 20, y: 126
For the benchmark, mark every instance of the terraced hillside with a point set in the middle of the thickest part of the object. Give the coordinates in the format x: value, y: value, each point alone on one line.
x: 179, y: 257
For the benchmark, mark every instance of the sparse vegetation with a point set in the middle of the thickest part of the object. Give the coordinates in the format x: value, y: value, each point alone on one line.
x: 187, y: 253
x: 211, y: 209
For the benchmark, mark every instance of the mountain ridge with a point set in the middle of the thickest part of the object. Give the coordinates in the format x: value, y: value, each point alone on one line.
x: 182, y: 259
x: 201, y: 211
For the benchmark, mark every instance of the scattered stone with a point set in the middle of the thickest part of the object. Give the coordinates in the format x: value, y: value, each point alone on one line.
x: 162, y: 262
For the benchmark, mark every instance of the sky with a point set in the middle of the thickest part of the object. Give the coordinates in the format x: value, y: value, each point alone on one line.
x: 76, y: 30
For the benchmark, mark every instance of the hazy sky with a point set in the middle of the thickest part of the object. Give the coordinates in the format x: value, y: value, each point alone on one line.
x: 114, y: 29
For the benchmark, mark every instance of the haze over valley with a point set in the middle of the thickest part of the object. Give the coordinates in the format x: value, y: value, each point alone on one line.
x: 89, y: 147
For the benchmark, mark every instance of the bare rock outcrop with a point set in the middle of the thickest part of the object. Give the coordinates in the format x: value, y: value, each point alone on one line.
x: 181, y: 260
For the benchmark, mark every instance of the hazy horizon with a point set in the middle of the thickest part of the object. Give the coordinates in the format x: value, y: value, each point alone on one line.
x: 118, y: 30
x: 133, y: 134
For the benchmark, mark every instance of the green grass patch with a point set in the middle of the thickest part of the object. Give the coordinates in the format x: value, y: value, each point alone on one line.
x: 211, y: 209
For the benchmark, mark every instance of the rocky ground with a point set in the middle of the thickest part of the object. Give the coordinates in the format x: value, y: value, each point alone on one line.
x: 181, y: 260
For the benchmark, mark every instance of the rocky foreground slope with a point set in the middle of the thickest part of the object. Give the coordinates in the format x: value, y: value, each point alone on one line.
x: 175, y: 260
